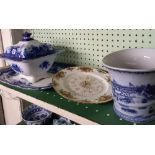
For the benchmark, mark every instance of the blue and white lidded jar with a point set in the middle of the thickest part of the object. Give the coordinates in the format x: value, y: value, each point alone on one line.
x: 31, y: 58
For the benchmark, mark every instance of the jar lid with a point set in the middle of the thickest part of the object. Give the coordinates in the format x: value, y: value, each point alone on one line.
x: 28, y: 48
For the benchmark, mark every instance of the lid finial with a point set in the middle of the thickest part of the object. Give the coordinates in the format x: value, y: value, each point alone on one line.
x: 27, y: 36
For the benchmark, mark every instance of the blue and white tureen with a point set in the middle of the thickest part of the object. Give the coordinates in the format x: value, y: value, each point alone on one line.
x: 30, y: 58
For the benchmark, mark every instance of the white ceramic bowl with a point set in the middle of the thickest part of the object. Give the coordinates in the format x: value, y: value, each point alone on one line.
x: 133, y: 83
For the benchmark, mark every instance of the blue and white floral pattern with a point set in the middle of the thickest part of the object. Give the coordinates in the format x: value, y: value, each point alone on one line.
x: 133, y: 111
x: 7, y: 73
x: 35, y: 115
x: 62, y: 121
x: 16, y: 68
x: 44, y: 65
x: 134, y: 103
x: 133, y: 94
x: 136, y: 119
x: 25, y: 51
x: 6, y: 77
x: 16, y: 53
x: 27, y: 36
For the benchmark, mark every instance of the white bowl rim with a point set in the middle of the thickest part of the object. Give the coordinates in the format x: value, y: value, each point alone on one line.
x: 126, y: 69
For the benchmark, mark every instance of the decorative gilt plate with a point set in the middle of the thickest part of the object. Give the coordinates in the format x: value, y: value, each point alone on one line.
x: 83, y: 85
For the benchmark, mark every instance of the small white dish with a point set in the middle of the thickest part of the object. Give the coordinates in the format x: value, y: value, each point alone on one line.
x: 83, y: 85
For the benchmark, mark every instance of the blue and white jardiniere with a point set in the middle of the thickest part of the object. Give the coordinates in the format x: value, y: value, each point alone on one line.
x: 133, y: 83
x: 31, y: 58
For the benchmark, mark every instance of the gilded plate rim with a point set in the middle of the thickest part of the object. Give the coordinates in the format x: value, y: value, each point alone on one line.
x: 85, y: 69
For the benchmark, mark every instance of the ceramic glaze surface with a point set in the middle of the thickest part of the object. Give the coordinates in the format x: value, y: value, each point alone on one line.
x: 83, y: 84
x: 131, y: 60
x: 133, y: 88
x: 35, y: 115
x: 30, y: 58
x: 10, y: 77
x: 35, y: 69
x: 62, y: 121
x: 16, y: 68
x: 28, y: 48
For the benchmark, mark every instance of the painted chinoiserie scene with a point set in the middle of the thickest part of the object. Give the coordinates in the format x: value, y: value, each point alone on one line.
x: 77, y: 76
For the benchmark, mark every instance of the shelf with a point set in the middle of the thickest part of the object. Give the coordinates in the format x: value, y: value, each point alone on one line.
x: 79, y: 113
x: 21, y: 123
